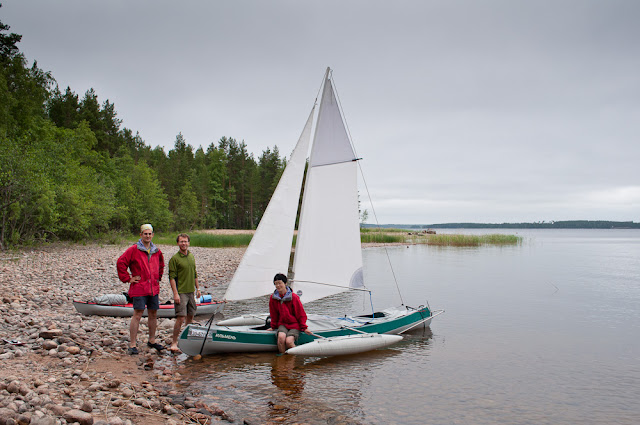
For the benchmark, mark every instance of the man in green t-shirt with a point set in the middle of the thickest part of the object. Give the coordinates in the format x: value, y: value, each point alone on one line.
x: 184, y: 282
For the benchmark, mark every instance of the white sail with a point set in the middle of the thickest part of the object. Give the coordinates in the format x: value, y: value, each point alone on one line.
x: 270, y: 248
x: 328, y: 257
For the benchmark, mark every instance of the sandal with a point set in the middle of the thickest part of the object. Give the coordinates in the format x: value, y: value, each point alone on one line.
x: 155, y: 345
x: 132, y: 351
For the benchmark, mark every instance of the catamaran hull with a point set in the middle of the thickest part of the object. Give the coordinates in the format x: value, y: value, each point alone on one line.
x: 126, y: 310
x: 343, y: 345
x: 227, y: 339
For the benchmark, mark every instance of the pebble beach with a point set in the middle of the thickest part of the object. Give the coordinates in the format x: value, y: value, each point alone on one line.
x: 60, y: 367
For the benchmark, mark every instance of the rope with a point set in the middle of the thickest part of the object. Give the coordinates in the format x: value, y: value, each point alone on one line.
x: 371, y: 301
x: 333, y: 285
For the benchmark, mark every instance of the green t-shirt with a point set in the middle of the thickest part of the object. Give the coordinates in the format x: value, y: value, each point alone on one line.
x: 182, y: 268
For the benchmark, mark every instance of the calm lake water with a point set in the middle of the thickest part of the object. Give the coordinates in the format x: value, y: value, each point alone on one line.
x: 546, y: 332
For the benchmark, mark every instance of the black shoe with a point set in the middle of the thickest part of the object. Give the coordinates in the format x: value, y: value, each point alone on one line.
x: 132, y: 351
x: 155, y: 345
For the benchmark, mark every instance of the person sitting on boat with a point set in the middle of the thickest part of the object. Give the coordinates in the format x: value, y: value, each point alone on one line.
x: 287, y: 314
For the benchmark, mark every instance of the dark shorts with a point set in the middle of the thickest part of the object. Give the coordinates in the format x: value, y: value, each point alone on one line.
x: 295, y: 333
x: 187, y: 306
x: 151, y: 302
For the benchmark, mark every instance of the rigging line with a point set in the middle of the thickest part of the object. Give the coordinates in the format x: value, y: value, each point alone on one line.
x: 364, y: 181
x: 337, y: 162
x: 384, y: 245
x: 333, y: 285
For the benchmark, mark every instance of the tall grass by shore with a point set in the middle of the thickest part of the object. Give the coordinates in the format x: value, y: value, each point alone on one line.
x: 439, y: 239
x: 395, y: 236
x: 207, y: 240
x: 385, y: 230
x: 472, y: 240
x: 383, y: 237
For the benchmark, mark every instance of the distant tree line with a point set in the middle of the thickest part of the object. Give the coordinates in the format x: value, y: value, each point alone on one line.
x: 570, y: 224
x: 69, y: 171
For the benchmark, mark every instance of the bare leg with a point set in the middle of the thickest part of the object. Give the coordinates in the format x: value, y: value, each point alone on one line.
x: 189, y: 319
x: 133, y: 327
x: 153, y: 323
x: 291, y: 342
x: 281, y: 342
x: 176, y: 331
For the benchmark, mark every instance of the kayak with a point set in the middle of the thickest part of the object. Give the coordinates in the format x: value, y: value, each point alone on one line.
x: 89, y: 308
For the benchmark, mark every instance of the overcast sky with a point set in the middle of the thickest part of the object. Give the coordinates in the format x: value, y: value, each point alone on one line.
x: 463, y: 111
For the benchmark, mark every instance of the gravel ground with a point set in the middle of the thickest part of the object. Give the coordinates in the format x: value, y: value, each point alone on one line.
x: 59, y: 367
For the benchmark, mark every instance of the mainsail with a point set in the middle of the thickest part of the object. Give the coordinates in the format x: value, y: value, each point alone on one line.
x: 270, y: 248
x: 328, y: 257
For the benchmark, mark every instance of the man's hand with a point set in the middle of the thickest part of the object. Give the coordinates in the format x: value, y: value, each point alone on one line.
x: 134, y: 279
x: 176, y: 298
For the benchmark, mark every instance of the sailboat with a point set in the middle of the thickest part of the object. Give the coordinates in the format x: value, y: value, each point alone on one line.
x: 328, y: 253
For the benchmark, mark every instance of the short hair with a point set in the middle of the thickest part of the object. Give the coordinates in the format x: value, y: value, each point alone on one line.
x: 281, y: 277
x: 182, y: 235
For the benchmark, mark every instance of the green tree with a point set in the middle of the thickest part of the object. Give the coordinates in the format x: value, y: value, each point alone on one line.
x: 270, y: 168
x: 8, y: 42
x: 216, y: 176
x: 238, y: 189
x: 64, y: 109
x: 178, y: 171
x: 149, y: 204
x: 103, y: 122
x: 187, y: 210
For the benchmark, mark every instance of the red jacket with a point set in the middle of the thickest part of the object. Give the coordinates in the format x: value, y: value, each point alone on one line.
x: 287, y: 312
x: 149, y: 267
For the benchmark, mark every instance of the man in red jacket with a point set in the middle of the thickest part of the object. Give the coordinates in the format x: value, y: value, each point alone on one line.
x: 287, y: 314
x: 145, y: 262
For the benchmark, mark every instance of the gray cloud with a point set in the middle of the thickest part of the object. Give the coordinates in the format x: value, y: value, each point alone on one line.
x: 462, y: 110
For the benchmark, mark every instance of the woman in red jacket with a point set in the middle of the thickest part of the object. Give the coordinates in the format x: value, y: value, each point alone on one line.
x: 287, y: 314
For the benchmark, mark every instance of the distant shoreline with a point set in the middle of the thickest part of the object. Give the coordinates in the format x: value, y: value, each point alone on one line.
x: 570, y: 224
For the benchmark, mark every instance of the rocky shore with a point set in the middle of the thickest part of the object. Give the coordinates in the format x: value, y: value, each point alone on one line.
x: 59, y: 367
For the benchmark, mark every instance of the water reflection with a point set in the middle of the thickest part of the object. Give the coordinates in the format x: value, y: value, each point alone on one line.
x: 286, y: 377
x: 267, y: 388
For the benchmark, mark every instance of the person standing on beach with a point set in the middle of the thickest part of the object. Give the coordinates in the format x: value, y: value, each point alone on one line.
x: 145, y: 262
x: 184, y: 282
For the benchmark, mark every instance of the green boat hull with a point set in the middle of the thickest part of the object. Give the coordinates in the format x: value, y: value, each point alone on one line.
x: 196, y: 339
